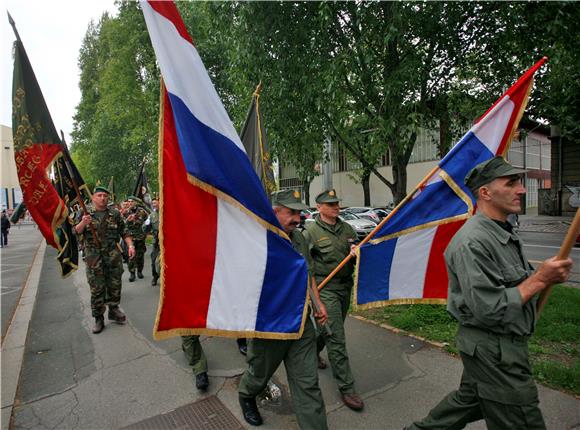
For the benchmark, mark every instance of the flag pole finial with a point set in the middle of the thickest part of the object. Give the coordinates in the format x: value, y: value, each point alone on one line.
x: 13, y: 24
x: 258, y: 89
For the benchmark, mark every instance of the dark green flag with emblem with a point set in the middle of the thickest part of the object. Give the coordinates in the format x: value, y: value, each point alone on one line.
x: 253, y: 137
x: 142, y: 188
x: 36, y: 147
x: 63, y: 180
x: 112, y: 193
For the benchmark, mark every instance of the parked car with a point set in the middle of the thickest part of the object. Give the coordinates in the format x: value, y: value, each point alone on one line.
x: 382, y: 212
x: 361, y: 226
x: 306, y: 214
x: 364, y: 212
x: 311, y: 218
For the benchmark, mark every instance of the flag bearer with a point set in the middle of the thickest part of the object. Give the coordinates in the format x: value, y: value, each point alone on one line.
x: 299, y: 356
x: 103, y: 257
x: 493, y: 293
x: 331, y: 240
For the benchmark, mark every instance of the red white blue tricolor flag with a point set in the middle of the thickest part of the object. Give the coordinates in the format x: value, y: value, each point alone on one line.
x: 404, y: 262
x: 227, y: 267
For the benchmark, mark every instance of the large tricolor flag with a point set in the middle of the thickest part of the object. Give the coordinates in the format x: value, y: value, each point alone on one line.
x: 404, y: 263
x: 227, y: 267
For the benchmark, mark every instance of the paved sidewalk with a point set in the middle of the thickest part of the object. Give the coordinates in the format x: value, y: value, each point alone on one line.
x: 544, y: 223
x: 72, y: 379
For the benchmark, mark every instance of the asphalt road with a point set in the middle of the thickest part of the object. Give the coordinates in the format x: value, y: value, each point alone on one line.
x: 540, y: 246
x: 15, y: 257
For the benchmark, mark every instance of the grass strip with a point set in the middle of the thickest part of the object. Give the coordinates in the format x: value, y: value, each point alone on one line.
x: 554, y: 348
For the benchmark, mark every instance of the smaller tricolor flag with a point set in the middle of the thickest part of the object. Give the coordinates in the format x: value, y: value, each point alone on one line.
x: 227, y: 267
x: 403, y: 263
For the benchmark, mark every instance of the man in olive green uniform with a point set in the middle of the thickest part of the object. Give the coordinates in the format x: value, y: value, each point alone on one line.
x: 135, y: 218
x: 103, y: 256
x: 331, y: 240
x: 299, y: 356
x: 196, y: 358
x: 152, y: 225
x: 493, y: 293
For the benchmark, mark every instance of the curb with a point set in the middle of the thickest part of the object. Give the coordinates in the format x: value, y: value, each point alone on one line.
x: 401, y: 331
x: 16, y: 335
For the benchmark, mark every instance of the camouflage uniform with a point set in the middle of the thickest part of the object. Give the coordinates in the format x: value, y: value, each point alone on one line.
x: 104, y: 263
x: 135, y: 229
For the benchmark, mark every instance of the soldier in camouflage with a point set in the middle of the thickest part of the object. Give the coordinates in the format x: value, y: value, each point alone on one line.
x: 104, y: 263
x: 135, y: 218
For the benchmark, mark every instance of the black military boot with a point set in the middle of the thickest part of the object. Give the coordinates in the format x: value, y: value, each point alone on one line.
x: 154, y: 281
x: 250, y: 411
x: 140, y: 275
x: 116, y: 314
x: 202, y: 381
x: 132, y: 277
x: 99, y: 324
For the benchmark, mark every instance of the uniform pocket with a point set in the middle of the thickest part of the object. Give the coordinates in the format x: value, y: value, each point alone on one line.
x: 513, y: 275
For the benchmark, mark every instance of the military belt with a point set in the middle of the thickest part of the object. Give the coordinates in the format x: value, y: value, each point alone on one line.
x: 478, y: 332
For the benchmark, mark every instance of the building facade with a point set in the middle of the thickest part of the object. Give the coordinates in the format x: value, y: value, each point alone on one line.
x: 531, y: 151
x: 10, y: 193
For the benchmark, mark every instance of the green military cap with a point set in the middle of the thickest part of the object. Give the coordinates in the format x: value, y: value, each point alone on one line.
x: 101, y: 189
x: 133, y: 198
x: 489, y: 170
x: 328, y: 196
x: 289, y: 199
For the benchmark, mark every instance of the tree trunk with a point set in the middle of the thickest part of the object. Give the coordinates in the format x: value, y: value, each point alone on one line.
x: 400, y: 181
x: 306, y: 187
x: 365, y: 181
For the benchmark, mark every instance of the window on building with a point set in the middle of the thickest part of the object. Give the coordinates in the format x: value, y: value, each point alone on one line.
x: 425, y: 146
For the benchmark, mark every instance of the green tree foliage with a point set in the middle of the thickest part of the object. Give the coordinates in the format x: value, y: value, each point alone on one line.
x: 368, y: 74
x: 116, y: 120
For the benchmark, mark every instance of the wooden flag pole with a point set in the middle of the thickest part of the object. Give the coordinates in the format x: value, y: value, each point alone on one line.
x: 564, y: 252
x: 76, y: 187
x: 378, y: 227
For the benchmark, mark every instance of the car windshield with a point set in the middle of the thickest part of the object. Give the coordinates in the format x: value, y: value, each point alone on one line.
x: 348, y: 216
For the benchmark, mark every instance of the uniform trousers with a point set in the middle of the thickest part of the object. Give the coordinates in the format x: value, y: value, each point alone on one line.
x: 104, y: 270
x: 299, y: 356
x: 138, y: 261
x: 496, y: 386
x: 194, y: 353
x: 336, y: 298
x: 154, y: 263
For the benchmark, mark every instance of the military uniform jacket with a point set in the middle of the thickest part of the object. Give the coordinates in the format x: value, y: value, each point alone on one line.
x: 153, y: 227
x: 300, y: 244
x: 485, y: 263
x: 135, y: 227
x: 109, y: 229
x: 329, y: 245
